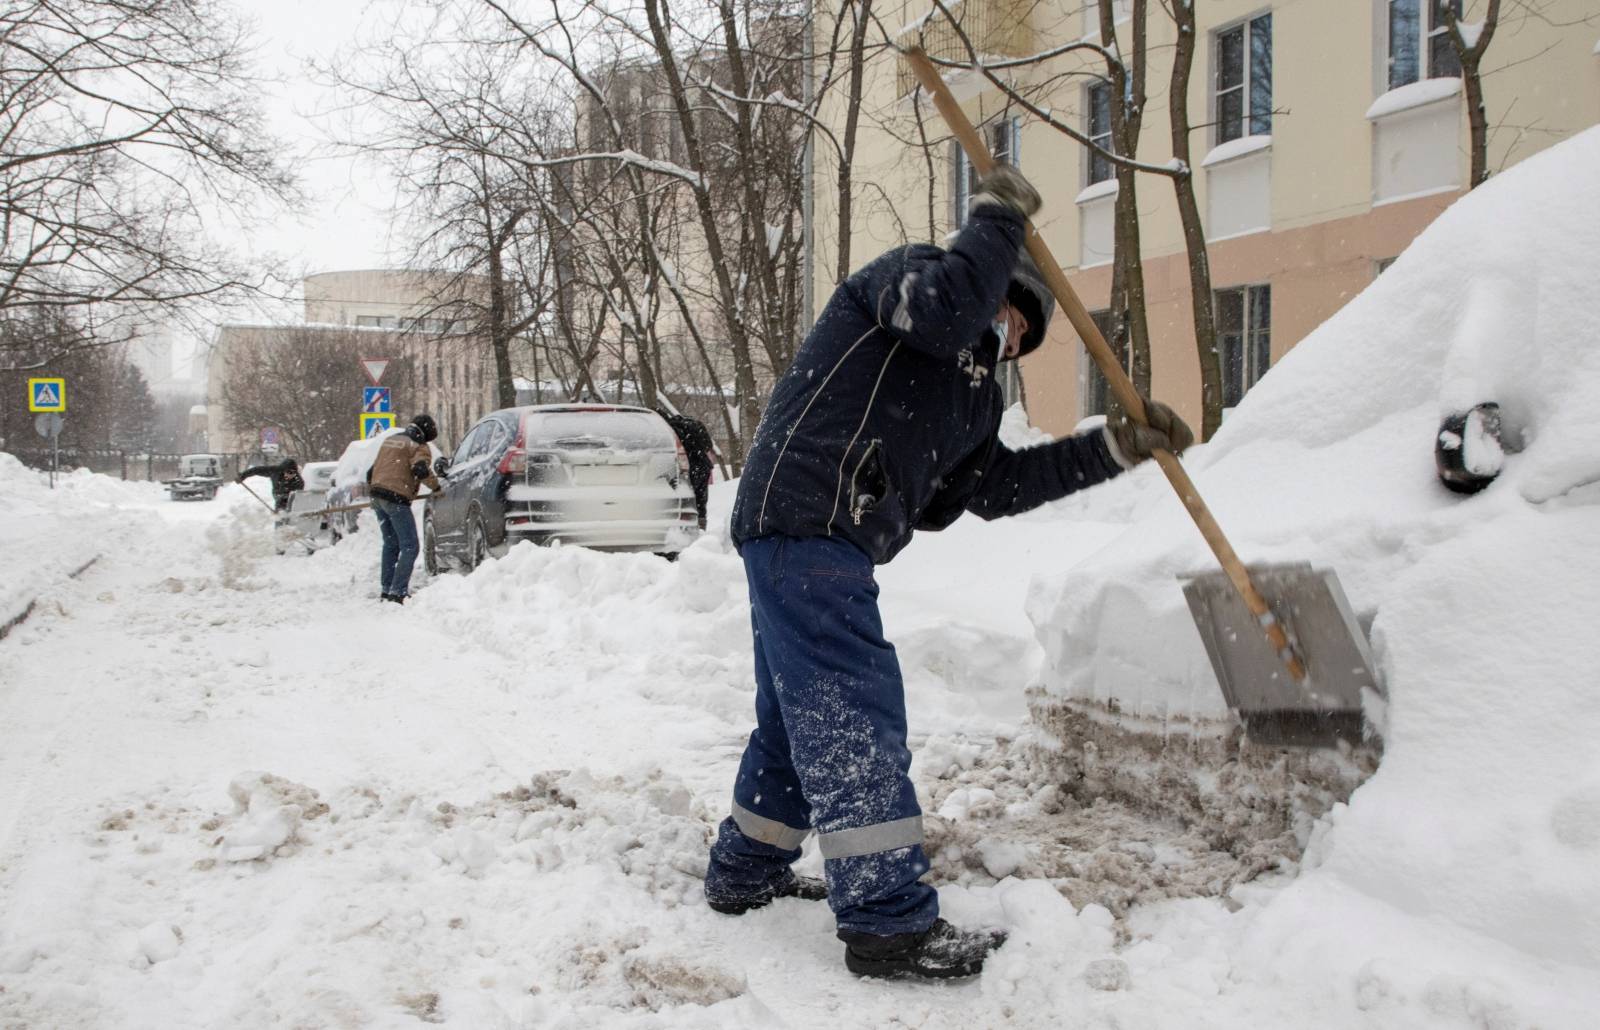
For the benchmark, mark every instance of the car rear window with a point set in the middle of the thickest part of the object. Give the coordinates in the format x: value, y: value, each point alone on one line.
x: 622, y: 430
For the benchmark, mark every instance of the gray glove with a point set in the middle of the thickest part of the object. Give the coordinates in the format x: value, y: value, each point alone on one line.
x: 1006, y: 186
x: 1135, y: 442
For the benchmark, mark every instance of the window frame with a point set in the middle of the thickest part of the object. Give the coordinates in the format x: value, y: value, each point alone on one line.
x: 1094, y: 163
x: 1430, y: 29
x: 1094, y: 388
x: 1004, y: 138
x: 1254, y: 88
x: 1253, y: 338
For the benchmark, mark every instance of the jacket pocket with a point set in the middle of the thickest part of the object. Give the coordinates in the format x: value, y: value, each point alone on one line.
x: 868, y: 484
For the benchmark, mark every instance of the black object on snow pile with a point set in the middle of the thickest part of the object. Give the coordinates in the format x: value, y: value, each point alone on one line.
x: 1467, y: 449
x: 941, y: 952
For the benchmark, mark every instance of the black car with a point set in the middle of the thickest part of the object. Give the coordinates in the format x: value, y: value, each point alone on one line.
x: 608, y: 477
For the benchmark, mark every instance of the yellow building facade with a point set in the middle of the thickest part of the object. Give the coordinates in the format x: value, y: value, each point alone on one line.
x: 1327, y: 134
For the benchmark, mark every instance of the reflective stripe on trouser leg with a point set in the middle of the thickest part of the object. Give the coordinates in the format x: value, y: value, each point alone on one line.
x: 838, y: 688
x: 869, y: 840
x: 768, y: 831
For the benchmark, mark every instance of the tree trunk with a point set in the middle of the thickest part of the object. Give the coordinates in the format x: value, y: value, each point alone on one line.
x: 1471, y: 58
x: 858, y: 40
x: 1127, y: 115
x: 1194, y: 237
x: 738, y: 335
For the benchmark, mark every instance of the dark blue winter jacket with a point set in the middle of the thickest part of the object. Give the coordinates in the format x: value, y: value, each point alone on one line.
x: 888, y: 419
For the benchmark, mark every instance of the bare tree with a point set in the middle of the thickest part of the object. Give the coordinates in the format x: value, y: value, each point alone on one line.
x: 1124, y: 75
x: 300, y: 380
x: 119, y: 122
x: 110, y: 404
x: 454, y: 117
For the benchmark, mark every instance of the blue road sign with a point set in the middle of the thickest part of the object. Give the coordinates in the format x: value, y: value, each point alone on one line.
x: 47, y: 395
x: 376, y: 424
x: 375, y: 399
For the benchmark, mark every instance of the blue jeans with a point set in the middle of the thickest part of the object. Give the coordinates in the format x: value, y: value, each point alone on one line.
x: 399, y: 545
x: 829, y: 749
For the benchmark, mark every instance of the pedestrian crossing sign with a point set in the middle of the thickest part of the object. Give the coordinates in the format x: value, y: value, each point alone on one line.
x: 47, y: 395
x: 375, y: 424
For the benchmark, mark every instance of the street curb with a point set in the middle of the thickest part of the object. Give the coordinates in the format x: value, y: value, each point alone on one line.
x: 22, y: 616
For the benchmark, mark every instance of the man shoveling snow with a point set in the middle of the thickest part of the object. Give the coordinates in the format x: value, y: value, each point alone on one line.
x: 887, y: 421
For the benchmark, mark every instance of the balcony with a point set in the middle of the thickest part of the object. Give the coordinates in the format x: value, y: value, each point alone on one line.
x: 997, y: 29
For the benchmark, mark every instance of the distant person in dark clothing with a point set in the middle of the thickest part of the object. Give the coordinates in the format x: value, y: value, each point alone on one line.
x: 285, y: 476
x: 696, y: 440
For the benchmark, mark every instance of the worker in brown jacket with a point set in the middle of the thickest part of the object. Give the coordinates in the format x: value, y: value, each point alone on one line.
x: 404, y: 461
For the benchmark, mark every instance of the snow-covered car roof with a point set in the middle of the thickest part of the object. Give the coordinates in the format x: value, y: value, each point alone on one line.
x: 318, y: 474
x: 359, y: 455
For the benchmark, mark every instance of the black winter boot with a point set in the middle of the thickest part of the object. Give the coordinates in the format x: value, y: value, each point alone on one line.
x: 941, y: 952
x: 806, y: 888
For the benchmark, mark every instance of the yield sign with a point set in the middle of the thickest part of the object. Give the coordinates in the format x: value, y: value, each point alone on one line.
x: 374, y: 367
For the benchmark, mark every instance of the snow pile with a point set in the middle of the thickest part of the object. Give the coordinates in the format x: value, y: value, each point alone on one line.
x: 31, y: 513
x: 1472, y: 858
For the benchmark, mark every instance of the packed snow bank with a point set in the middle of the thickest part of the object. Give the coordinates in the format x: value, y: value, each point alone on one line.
x: 1485, y: 813
x: 31, y: 513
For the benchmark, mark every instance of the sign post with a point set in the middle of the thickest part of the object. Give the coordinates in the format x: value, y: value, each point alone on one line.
x: 48, y: 425
x: 269, y: 440
x: 49, y: 396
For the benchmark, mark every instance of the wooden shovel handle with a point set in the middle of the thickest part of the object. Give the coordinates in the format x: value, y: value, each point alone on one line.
x: 1118, y: 380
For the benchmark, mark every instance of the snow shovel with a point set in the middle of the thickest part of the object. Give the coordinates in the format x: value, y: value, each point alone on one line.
x: 1287, y: 651
x: 275, y: 513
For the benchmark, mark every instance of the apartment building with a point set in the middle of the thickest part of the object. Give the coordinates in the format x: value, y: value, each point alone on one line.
x: 407, y: 318
x: 1327, y: 135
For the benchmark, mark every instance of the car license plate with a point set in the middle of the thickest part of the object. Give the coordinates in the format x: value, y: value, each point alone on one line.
x: 605, y: 475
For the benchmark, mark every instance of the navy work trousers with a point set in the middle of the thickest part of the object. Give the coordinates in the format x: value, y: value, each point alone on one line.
x: 399, y: 530
x: 829, y: 749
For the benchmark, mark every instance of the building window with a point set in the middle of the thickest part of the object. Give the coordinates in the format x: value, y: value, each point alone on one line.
x: 1244, y: 79
x: 424, y: 375
x: 1097, y: 99
x: 1096, y: 388
x: 1244, y: 338
x: 1004, y: 138
x: 1416, y: 53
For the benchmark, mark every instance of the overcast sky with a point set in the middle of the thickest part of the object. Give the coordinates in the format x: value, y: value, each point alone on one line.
x: 346, y: 223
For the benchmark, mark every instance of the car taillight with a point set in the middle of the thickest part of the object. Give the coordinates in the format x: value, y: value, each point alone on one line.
x: 683, y: 462
x: 535, y: 467
x: 515, y: 461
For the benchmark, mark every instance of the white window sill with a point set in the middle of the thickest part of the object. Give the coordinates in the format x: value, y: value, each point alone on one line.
x: 1413, y: 95
x: 1239, y: 235
x: 1236, y: 148
x: 1415, y: 196
x: 1097, y: 191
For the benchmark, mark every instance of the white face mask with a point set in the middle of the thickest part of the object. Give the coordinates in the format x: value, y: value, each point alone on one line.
x: 1002, y: 332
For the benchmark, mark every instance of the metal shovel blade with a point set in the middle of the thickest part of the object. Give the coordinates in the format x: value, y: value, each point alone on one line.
x: 1324, y: 631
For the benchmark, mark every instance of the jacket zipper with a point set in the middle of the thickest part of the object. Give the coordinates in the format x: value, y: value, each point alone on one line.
x: 761, y: 517
x: 865, y: 414
x: 857, y: 508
